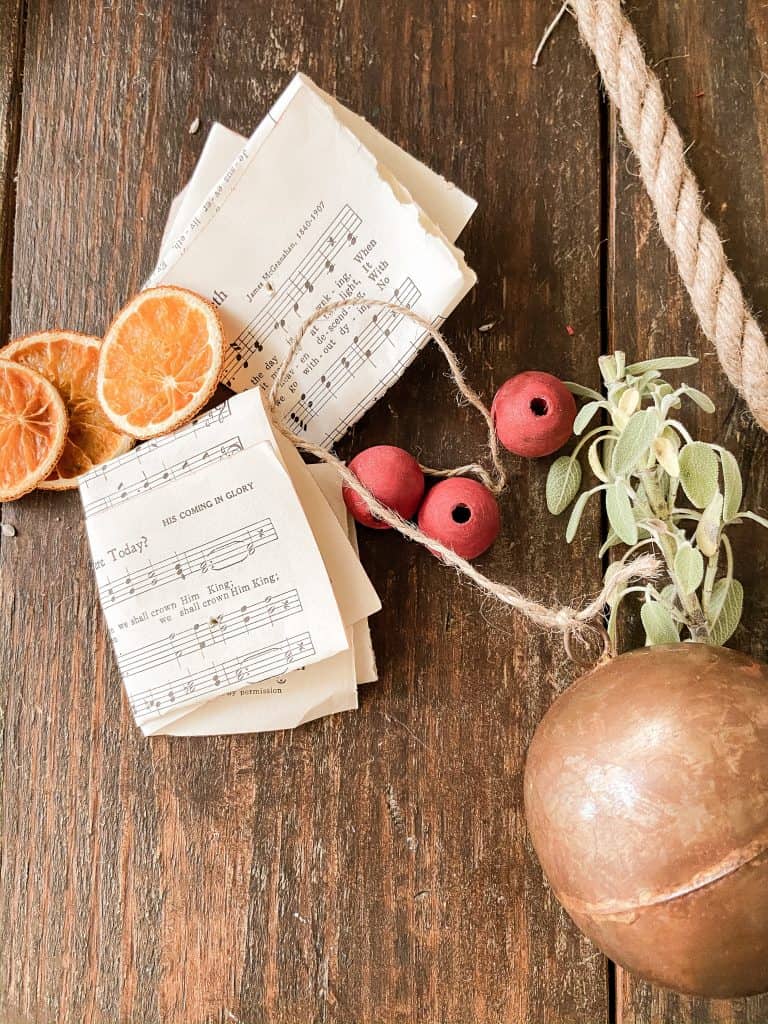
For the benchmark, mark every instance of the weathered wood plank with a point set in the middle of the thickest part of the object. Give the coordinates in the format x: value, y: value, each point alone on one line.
x: 82, y: 874
x: 459, y: 914
x: 11, y: 55
x: 373, y: 867
x: 713, y: 64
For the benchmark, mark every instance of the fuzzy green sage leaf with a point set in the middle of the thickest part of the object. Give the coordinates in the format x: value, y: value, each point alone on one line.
x: 698, y: 473
x: 664, y: 363
x: 629, y: 402
x: 611, y: 541
x: 620, y: 514
x: 584, y: 415
x: 563, y: 482
x: 733, y: 489
x: 708, y: 529
x: 703, y: 401
x: 593, y: 458
x: 652, y: 472
x: 666, y: 452
x: 635, y: 440
x: 609, y: 370
x: 658, y: 623
x: 754, y: 517
x: 582, y: 391
x: 576, y: 514
x: 688, y: 568
x: 726, y: 607
x: 614, y: 596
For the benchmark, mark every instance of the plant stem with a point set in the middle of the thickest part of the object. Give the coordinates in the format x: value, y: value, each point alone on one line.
x: 709, y: 581
x: 695, y: 618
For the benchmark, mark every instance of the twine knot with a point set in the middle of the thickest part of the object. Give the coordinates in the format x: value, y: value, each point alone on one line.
x: 566, y: 619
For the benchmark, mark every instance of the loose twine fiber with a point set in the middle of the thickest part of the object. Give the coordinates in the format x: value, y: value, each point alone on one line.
x: 573, y: 623
x: 715, y: 293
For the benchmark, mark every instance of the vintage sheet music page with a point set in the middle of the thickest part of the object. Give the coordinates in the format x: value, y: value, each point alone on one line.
x: 307, y: 214
x: 208, y: 572
x: 330, y: 686
x: 443, y: 202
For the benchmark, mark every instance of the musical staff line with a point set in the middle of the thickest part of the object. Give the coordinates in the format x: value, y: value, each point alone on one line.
x: 247, y: 619
x: 218, y: 414
x: 374, y: 336
x: 371, y: 396
x: 176, y: 471
x: 214, y: 555
x: 379, y: 387
x: 249, y: 668
x: 285, y: 300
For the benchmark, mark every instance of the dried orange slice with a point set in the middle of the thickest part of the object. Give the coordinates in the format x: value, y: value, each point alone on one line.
x: 33, y: 429
x: 160, y: 361
x: 70, y: 362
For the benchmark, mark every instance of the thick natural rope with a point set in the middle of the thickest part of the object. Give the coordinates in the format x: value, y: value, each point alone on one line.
x: 715, y: 293
x: 572, y: 622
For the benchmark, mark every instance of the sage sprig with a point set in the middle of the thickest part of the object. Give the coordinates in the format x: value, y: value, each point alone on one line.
x: 661, y: 489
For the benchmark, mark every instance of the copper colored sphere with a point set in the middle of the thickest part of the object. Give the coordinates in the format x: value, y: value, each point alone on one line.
x: 646, y: 792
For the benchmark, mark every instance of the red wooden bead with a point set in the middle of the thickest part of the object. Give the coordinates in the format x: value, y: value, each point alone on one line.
x: 533, y: 413
x: 462, y: 514
x: 393, y: 476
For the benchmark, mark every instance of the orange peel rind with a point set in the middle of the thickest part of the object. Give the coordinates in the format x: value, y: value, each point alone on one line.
x: 160, y: 361
x: 70, y: 362
x: 33, y: 429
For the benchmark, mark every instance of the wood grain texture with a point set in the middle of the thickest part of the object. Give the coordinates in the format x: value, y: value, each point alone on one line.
x: 712, y: 59
x: 371, y: 867
x: 12, y: 23
x: 466, y: 679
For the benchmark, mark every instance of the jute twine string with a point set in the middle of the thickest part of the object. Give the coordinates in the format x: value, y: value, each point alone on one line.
x: 634, y: 89
x: 573, y: 623
x: 495, y: 482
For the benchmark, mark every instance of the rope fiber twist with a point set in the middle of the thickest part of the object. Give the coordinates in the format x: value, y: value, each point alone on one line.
x: 716, y: 295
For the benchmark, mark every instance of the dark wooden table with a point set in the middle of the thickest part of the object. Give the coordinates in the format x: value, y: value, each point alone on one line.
x: 372, y: 868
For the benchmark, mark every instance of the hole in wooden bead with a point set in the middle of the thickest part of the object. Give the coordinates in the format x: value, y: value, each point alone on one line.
x: 461, y: 514
x: 539, y: 406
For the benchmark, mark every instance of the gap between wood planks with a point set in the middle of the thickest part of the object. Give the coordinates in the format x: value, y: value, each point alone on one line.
x: 606, y: 259
x: 606, y: 255
x: 17, y: 44
x: 18, y: 47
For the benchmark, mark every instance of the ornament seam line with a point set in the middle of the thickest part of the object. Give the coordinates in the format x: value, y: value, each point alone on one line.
x: 616, y: 909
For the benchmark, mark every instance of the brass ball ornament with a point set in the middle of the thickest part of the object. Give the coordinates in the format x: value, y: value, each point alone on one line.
x: 646, y: 794
x: 646, y: 783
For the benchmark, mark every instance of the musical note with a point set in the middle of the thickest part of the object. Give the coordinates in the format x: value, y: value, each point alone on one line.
x: 286, y: 299
x: 214, y: 555
x: 215, y: 453
x: 202, y: 636
x: 359, y: 353
x: 379, y: 387
x: 251, y: 667
x: 210, y: 566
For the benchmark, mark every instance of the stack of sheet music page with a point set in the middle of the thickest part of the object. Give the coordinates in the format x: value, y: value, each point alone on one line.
x: 227, y: 568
